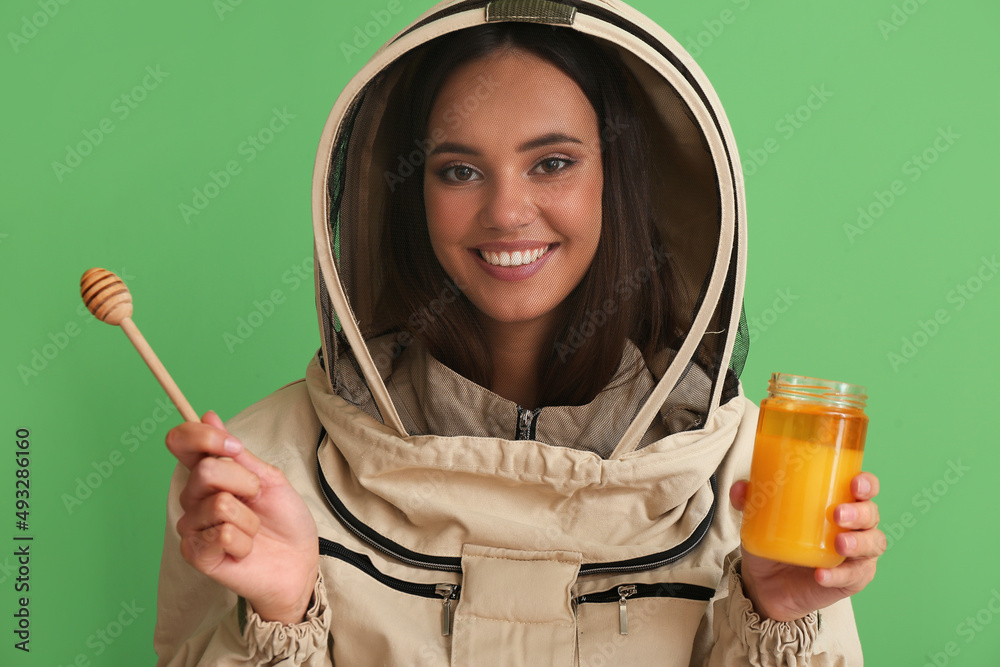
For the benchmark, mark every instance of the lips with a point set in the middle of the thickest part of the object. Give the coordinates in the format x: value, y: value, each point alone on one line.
x: 513, y: 258
x: 512, y: 262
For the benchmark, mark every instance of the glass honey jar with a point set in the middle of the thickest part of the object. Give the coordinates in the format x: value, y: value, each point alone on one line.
x: 809, y: 446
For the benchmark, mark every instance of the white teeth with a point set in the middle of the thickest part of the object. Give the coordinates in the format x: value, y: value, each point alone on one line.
x: 516, y: 258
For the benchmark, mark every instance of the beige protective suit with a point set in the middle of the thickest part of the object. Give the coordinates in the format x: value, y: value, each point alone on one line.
x: 459, y: 528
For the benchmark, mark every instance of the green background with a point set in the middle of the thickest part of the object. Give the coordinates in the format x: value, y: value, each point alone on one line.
x: 890, y: 89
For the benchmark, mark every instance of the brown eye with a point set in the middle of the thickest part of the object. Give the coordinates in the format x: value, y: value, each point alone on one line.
x: 457, y: 173
x: 553, y: 164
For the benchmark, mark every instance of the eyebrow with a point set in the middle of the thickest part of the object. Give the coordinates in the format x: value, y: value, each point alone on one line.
x: 544, y: 140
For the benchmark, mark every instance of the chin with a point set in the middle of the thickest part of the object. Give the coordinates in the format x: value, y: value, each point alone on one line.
x: 508, y: 314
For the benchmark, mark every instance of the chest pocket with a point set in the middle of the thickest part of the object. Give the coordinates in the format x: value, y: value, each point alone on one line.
x: 640, y: 624
x: 508, y: 607
x: 516, y: 608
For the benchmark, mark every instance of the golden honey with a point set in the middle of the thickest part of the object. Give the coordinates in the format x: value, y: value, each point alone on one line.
x: 809, y: 446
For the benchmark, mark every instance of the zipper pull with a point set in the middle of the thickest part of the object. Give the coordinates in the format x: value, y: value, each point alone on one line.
x: 625, y: 592
x: 523, y: 423
x: 526, y: 422
x: 447, y: 591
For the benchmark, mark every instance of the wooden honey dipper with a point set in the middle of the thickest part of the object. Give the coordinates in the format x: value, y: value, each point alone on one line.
x: 110, y: 301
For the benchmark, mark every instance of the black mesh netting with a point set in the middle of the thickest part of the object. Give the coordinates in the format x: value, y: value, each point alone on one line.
x: 425, y: 341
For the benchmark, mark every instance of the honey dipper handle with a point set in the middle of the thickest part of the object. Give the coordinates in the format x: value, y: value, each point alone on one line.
x: 167, y: 382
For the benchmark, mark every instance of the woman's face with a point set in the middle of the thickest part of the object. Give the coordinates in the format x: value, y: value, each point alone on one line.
x: 513, y: 188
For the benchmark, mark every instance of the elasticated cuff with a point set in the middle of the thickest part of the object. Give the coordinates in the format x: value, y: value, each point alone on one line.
x: 769, y: 643
x: 273, y: 640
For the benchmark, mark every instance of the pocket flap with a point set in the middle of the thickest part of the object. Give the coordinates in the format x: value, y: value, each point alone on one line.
x: 516, y: 607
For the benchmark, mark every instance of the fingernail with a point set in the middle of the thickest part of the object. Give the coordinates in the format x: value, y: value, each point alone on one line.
x: 824, y: 576
x: 847, y: 513
x: 850, y: 543
x: 864, y: 486
x: 232, y: 445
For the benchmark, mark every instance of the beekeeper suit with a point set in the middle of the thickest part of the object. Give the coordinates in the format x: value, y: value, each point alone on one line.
x: 459, y: 527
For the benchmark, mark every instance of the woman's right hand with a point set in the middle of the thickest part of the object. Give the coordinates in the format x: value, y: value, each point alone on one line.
x: 243, y: 524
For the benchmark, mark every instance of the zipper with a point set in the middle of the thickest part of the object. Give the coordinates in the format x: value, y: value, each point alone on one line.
x: 625, y: 592
x: 446, y: 591
x: 454, y: 564
x: 449, y: 592
x: 527, y: 421
x: 656, y: 560
x: 374, y: 539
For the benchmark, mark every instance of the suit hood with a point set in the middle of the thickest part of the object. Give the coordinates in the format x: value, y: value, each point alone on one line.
x: 698, y: 201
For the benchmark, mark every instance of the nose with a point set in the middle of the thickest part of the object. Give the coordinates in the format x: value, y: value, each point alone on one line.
x: 510, y: 203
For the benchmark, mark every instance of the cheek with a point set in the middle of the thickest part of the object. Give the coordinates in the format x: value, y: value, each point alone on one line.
x: 445, y: 216
x: 580, y: 209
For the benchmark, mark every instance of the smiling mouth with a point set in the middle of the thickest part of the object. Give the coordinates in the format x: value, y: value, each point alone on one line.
x: 516, y: 258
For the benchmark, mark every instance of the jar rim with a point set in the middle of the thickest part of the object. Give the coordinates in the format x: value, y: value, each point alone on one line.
x: 804, y: 387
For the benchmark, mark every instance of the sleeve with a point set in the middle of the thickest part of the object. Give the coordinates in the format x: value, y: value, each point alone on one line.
x: 824, y: 638
x: 200, y: 622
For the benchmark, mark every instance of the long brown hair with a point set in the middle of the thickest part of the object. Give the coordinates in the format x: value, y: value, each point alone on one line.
x: 629, y: 290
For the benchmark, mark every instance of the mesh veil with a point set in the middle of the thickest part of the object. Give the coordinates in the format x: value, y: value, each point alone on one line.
x: 378, y: 149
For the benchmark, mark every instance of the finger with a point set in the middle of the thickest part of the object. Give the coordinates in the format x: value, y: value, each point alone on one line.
x: 190, y: 442
x: 864, y: 486
x: 212, y: 419
x: 856, y: 516
x: 268, y: 475
x: 738, y: 494
x: 211, y: 476
x: 852, y: 575
x: 861, y: 543
x: 234, y: 542
x: 206, y: 550
x: 222, y: 508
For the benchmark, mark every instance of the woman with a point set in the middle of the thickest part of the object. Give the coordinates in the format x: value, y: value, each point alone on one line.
x: 514, y: 444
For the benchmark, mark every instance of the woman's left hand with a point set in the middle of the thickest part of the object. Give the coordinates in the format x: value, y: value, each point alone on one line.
x: 786, y: 592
